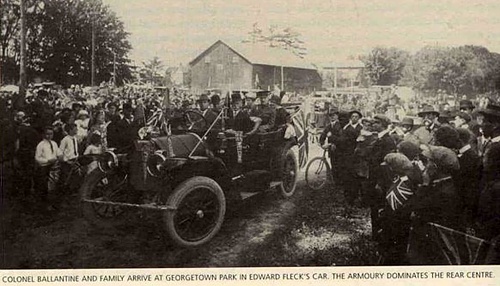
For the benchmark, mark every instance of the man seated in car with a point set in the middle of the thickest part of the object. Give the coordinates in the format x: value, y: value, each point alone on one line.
x: 239, y: 119
x: 266, y: 112
x: 250, y: 106
x: 208, y: 114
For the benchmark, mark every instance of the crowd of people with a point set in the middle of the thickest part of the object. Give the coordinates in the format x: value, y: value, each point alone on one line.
x: 443, y: 170
x: 440, y: 166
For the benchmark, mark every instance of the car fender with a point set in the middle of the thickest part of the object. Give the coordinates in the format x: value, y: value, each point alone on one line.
x: 178, y: 170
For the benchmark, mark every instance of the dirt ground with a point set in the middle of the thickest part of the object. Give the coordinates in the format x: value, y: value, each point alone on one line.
x: 309, y: 229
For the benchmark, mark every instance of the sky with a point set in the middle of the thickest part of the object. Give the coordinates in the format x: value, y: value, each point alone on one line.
x: 177, y: 31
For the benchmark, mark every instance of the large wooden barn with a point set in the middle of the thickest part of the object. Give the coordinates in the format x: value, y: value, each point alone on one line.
x: 249, y: 66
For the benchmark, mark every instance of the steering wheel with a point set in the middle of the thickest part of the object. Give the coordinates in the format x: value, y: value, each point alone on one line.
x: 194, y: 120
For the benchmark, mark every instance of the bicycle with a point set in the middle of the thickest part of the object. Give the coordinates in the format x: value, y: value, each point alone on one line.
x: 318, y: 172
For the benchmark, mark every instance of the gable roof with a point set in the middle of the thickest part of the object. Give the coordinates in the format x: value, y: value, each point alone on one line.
x: 259, y: 54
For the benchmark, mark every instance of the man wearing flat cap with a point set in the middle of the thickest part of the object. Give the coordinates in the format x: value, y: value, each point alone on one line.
x: 407, y: 127
x: 382, y: 146
x: 330, y: 139
x: 265, y: 111
x: 466, y: 106
x: 489, y: 202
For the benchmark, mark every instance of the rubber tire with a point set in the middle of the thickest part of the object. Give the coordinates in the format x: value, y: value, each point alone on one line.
x: 327, y: 170
x: 88, y: 211
x: 290, y: 154
x: 180, y: 192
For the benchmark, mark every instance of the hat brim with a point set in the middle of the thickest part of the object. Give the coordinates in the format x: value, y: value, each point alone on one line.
x: 356, y: 112
x: 466, y: 107
x: 422, y: 113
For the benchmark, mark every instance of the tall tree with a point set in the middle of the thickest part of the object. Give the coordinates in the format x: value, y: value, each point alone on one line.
x: 276, y: 37
x: 59, y: 41
x: 384, y: 66
x: 458, y: 70
x: 153, y: 71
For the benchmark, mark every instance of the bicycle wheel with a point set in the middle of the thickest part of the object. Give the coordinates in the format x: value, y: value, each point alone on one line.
x: 318, y: 173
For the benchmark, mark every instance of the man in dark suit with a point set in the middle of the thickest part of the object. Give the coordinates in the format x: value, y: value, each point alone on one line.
x: 208, y: 114
x: 239, y: 119
x: 383, y: 145
x: 330, y: 139
x: 489, y: 202
x: 124, y: 132
x: 348, y: 161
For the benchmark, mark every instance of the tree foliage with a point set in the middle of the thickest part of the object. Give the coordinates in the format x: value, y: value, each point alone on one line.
x: 462, y: 70
x: 457, y: 70
x: 59, y: 40
x: 384, y: 66
x: 276, y: 37
x: 153, y: 71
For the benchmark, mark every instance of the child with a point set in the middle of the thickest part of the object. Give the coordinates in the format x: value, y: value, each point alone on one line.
x: 46, y: 155
x: 94, y: 148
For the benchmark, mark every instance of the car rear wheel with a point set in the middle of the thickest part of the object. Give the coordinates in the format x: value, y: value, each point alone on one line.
x: 200, y: 207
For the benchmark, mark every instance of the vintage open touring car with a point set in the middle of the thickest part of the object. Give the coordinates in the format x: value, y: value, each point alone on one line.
x: 191, y: 175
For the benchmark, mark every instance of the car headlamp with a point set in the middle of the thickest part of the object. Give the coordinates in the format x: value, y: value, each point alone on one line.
x: 108, y: 161
x: 155, y: 163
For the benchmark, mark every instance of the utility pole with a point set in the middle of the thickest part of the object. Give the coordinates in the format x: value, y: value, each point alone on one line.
x: 22, y: 69
x: 114, y: 69
x: 92, y: 75
x: 282, y: 79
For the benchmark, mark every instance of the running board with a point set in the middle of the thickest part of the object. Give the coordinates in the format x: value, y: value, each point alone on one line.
x: 272, y: 185
x: 137, y: 206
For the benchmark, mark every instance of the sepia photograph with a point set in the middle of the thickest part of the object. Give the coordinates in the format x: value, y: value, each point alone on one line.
x: 247, y: 134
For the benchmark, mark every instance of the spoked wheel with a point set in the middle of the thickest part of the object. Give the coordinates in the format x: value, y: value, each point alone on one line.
x: 289, y: 174
x: 318, y: 173
x: 200, y: 207
x: 105, y: 187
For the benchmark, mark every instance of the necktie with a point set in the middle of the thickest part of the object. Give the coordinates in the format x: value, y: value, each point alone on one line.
x: 75, y: 146
x: 51, y: 147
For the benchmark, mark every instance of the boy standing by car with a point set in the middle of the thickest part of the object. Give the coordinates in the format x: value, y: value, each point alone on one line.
x: 46, y: 156
x: 69, y: 151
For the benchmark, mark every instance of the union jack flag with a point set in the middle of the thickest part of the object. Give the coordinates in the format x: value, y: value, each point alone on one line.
x: 155, y: 118
x: 398, y: 193
x: 299, y: 122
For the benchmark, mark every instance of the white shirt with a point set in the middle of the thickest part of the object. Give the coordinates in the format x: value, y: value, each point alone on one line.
x: 45, y: 151
x: 69, y: 148
x: 353, y: 125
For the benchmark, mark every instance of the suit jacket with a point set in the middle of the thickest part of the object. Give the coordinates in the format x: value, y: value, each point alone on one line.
x: 124, y: 134
x: 240, y: 122
x: 468, y: 177
x: 381, y: 147
x: 332, y: 133
x: 350, y: 134
x: 210, y: 117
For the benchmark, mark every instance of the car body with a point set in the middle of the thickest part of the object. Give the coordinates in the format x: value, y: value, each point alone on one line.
x: 190, y: 176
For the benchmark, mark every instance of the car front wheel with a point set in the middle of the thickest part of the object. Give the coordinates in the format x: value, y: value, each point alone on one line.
x: 200, y: 207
